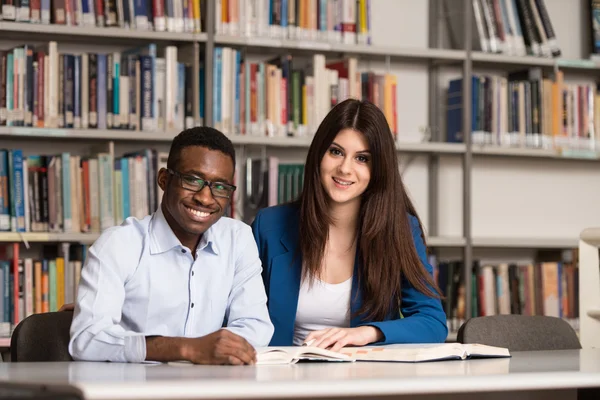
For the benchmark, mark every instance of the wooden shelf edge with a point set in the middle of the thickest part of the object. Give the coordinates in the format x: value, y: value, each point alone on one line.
x: 101, y: 32
x: 526, y: 243
x: 48, y: 237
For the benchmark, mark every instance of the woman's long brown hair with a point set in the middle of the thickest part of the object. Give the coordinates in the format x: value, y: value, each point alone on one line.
x: 385, y: 242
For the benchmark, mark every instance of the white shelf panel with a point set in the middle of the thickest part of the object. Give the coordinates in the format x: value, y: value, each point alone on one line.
x: 129, y: 135
x: 5, y: 342
x: 85, y: 238
x: 93, y: 134
x: 99, y: 33
x: 528, y: 243
x: 431, y: 147
x: 535, y: 153
x: 498, y: 60
x: 502, y: 59
x: 441, y: 241
x: 406, y: 53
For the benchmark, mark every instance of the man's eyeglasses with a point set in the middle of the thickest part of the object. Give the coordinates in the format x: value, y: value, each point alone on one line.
x: 195, y: 184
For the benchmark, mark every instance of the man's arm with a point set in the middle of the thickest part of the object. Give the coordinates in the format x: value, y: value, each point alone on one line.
x: 248, y: 315
x: 221, y: 347
x: 95, y: 331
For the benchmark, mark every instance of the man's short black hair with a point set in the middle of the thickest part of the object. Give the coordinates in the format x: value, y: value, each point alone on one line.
x: 200, y: 136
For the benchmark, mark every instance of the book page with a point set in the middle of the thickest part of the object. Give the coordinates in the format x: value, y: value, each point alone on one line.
x: 481, y: 350
x: 408, y: 353
x: 292, y: 354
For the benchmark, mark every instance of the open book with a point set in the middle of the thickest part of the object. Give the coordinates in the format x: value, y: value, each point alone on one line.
x: 293, y: 354
x: 393, y: 353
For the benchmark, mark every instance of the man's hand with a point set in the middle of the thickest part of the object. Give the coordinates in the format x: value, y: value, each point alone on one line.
x: 220, y: 347
x: 336, y: 338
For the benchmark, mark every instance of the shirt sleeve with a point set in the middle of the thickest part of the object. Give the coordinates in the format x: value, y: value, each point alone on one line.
x: 248, y: 315
x: 95, y: 331
x: 423, y: 318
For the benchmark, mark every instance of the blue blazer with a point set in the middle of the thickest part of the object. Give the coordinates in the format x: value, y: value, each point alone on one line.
x: 275, y: 229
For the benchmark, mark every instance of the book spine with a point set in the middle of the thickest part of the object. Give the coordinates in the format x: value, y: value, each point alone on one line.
x: 4, y: 192
x: 548, y: 29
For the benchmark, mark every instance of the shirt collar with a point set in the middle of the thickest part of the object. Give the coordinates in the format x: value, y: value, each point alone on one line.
x: 163, y: 239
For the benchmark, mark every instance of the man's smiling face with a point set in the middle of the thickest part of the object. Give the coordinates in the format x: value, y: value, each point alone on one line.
x: 191, y: 213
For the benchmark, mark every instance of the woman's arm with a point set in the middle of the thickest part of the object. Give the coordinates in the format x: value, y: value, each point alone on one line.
x: 422, y: 318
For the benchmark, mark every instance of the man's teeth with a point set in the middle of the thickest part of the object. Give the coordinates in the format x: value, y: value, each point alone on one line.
x: 342, y: 182
x: 201, y: 214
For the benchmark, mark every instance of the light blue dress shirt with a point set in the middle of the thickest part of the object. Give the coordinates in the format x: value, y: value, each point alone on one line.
x: 139, y: 280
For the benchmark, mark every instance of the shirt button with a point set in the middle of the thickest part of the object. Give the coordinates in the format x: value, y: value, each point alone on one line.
x: 192, y: 273
x: 183, y: 251
x: 192, y: 305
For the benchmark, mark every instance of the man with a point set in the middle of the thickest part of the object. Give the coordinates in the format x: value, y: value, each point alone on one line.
x: 159, y: 288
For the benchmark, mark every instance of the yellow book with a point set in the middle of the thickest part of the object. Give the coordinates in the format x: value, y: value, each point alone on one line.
x: 362, y: 20
x: 196, y: 15
x: 388, y: 101
x: 60, y: 282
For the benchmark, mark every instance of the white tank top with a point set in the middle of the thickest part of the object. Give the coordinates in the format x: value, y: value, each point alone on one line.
x: 322, y: 306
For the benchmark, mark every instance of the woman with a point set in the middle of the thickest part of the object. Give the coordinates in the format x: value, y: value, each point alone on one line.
x: 346, y: 263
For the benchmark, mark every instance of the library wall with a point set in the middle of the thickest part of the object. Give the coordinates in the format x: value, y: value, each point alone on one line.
x: 511, y: 197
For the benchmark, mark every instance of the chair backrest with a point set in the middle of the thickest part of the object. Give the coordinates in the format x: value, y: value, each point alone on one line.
x: 42, y: 337
x: 520, y: 332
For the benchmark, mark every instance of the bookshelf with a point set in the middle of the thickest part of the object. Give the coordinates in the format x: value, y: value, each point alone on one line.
x: 445, y: 179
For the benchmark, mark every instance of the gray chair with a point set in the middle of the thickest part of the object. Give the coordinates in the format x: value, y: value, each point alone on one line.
x: 42, y: 337
x: 520, y: 332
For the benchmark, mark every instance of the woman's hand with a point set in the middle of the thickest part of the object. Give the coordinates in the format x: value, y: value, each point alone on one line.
x: 336, y: 338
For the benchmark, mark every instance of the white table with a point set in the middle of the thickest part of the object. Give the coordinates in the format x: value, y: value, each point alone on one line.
x: 555, y: 374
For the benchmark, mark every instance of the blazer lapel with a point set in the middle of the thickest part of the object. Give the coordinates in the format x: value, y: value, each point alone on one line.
x: 284, y: 288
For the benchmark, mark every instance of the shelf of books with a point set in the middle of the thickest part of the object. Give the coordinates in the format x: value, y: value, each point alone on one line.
x: 547, y: 287
x: 528, y: 113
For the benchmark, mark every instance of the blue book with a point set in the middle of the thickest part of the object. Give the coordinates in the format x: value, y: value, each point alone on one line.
x: 217, y: 70
x: 236, y: 104
x: 125, y: 187
x: 140, y: 9
x: 284, y: 15
x: 454, y: 133
x: 116, y: 73
x: 180, y: 102
x: 101, y: 92
x: 17, y: 191
x: 147, y: 110
x: 202, y: 91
